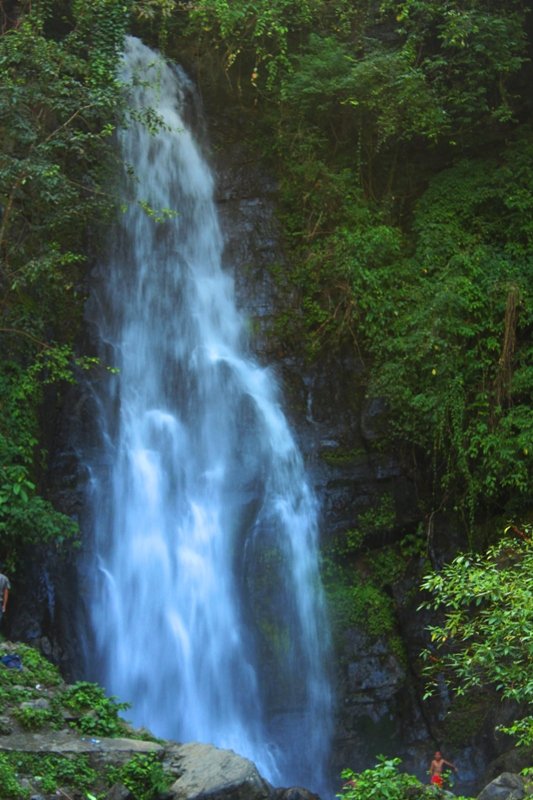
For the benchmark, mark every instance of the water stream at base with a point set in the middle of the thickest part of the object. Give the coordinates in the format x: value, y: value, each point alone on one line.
x: 206, y: 604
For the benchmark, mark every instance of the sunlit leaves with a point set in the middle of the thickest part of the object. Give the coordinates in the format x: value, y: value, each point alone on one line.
x: 485, y: 604
x: 383, y: 782
x: 260, y: 31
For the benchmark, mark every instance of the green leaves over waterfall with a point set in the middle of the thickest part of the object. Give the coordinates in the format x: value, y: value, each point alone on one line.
x: 58, y: 103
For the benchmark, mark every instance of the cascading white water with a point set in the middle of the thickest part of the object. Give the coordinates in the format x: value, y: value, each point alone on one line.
x: 206, y: 606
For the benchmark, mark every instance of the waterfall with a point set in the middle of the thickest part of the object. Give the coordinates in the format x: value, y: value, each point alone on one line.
x: 206, y: 604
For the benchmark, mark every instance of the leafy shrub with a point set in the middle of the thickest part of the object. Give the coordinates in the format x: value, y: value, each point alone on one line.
x: 36, y: 669
x: 10, y: 788
x: 143, y: 775
x: 54, y: 772
x: 383, y: 782
x: 98, y: 714
x: 485, y: 603
x: 33, y: 719
x: 60, y: 98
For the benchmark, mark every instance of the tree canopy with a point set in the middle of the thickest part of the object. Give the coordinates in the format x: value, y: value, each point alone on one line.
x: 58, y: 102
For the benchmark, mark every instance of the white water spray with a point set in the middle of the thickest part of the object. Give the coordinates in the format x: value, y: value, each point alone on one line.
x: 207, y: 608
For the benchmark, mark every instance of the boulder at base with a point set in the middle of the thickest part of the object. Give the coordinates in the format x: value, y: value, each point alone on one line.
x: 208, y: 772
x: 506, y: 786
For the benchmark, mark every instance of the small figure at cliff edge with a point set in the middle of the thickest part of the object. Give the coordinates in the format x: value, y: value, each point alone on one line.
x: 5, y: 586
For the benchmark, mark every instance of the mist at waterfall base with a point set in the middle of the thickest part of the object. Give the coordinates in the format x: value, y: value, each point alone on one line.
x: 206, y: 608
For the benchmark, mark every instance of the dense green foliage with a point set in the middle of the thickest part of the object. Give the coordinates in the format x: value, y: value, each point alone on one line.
x: 415, y: 220
x: 383, y: 782
x: 403, y: 139
x: 485, y: 604
x: 57, y: 110
x: 143, y: 775
x: 95, y: 714
x: 455, y: 368
x: 48, y: 773
x: 402, y: 133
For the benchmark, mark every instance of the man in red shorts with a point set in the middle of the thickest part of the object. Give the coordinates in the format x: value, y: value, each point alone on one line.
x: 436, y: 768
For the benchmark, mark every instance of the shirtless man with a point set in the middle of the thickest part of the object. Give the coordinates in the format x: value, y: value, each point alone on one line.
x: 436, y: 768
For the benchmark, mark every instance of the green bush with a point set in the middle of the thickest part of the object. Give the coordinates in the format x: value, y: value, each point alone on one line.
x: 36, y: 669
x: 60, y: 99
x: 34, y: 719
x: 485, y: 606
x: 55, y: 773
x: 98, y: 714
x: 143, y: 775
x: 10, y: 788
x: 383, y: 782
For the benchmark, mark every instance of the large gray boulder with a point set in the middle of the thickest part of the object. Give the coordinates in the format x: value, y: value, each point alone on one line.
x: 506, y: 786
x: 208, y: 772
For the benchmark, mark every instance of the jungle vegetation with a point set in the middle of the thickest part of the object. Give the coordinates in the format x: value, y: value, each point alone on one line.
x: 402, y: 136
x: 403, y: 142
x: 404, y: 146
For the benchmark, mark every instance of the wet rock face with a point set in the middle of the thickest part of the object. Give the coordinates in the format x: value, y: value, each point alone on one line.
x: 245, y: 196
x: 368, y: 682
x: 373, y: 674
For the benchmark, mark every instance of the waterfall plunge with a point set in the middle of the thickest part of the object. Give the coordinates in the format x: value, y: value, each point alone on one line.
x: 207, y: 610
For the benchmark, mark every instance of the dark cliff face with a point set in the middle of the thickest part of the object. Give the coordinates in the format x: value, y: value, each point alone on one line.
x: 377, y: 676
x: 378, y: 708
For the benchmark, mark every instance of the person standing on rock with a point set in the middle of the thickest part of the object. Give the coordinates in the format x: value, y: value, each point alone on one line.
x: 436, y: 768
x: 5, y: 586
